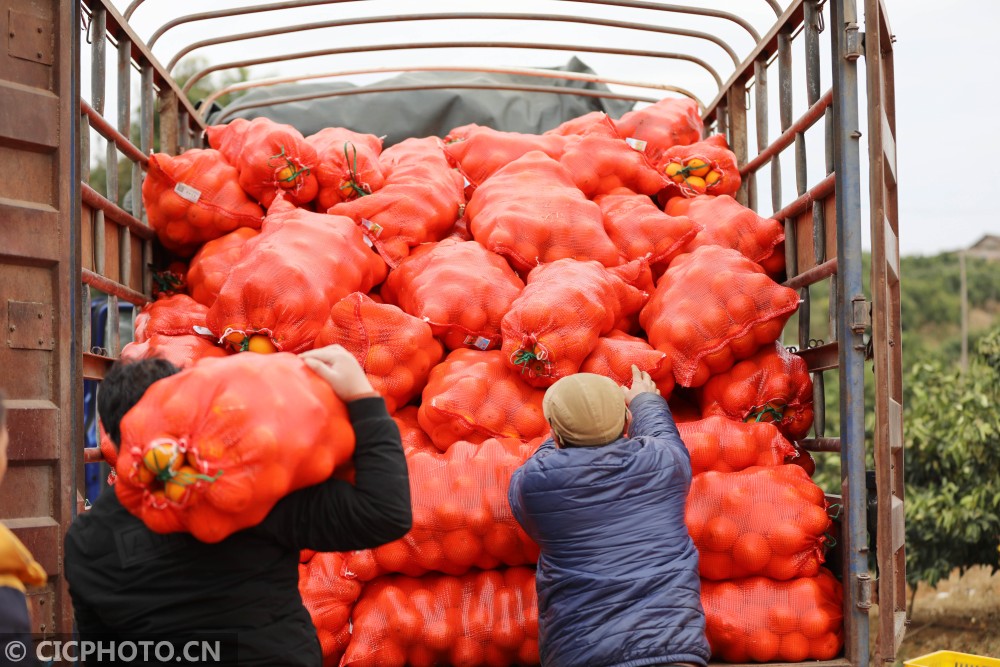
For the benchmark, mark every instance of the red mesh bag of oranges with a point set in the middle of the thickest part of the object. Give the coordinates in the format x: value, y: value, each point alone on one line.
x: 211, y: 449
x: 482, y: 151
x: 704, y: 168
x: 555, y: 323
x: 195, y: 197
x: 479, y: 619
x: 211, y: 264
x: 458, y: 287
x: 461, y: 517
x: 579, y: 125
x: 640, y: 230
x: 711, y: 308
x: 771, y: 386
x: 396, y: 350
x: 766, y: 521
x: 281, y: 291
x: 276, y: 158
x: 656, y: 128
x: 176, y: 315
x: 475, y: 396
x: 599, y: 162
x: 617, y: 352
x: 531, y: 212
x: 181, y: 351
x: 348, y: 165
x: 760, y: 620
x: 228, y: 139
x: 329, y: 598
x: 419, y: 202
x: 724, y: 445
x: 410, y: 433
x: 727, y: 223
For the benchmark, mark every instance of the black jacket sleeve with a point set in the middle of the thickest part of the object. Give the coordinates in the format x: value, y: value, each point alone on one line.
x: 338, y: 516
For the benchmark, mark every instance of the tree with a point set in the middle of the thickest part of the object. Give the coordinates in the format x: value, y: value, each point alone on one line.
x: 953, y: 465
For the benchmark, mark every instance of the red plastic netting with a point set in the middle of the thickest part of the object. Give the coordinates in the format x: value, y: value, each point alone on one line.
x: 760, y: 620
x: 228, y: 139
x: 670, y: 122
x: 565, y: 308
x: 396, y: 350
x: 767, y: 521
x: 195, y: 197
x: 181, y: 351
x: 176, y: 315
x: 706, y: 167
x: 348, y: 165
x: 210, y: 266
x: 479, y: 619
x: 617, y: 352
x: 771, y: 386
x: 461, y: 517
x: 640, y: 230
x: 211, y: 449
x: 729, y: 224
x: 723, y: 445
x: 276, y: 158
x: 531, y: 212
x: 412, y: 436
x: 458, y: 287
x: 482, y: 151
x: 600, y: 161
x: 419, y: 203
x: 290, y: 277
x: 329, y: 598
x: 475, y: 396
x: 711, y: 308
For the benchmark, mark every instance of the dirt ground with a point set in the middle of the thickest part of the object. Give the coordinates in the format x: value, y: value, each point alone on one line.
x: 960, y: 614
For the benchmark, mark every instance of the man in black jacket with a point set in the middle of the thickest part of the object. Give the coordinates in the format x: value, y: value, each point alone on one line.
x: 127, y: 581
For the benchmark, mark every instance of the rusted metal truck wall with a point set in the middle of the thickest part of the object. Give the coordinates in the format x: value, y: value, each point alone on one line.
x: 39, y: 269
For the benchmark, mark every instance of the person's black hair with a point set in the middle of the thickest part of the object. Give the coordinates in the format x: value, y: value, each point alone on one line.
x: 122, y: 388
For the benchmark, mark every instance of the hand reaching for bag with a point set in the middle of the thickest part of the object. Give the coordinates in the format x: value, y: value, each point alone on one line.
x: 641, y: 382
x: 341, y: 370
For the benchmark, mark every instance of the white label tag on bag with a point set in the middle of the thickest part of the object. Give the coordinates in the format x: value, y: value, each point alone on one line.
x: 203, y: 331
x: 185, y: 191
x: 479, y: 342
x: 372, y: 227
x: 638, y: 144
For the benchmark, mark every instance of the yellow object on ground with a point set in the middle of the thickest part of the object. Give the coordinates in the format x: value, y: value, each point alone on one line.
x: 952, y: 659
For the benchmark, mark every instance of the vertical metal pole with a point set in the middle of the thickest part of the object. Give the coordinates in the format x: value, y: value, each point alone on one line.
x: 760, y: 118
x: 736, y: 104
x: 851, y: 304
x: 965, y: 312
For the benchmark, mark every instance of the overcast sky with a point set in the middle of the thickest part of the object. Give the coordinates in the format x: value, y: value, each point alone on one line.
x: 945, y: 76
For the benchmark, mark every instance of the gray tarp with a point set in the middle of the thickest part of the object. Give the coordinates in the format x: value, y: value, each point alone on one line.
x: 422, y: 113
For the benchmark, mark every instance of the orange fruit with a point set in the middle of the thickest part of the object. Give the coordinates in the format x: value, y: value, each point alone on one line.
x: 176, y: 487
x: 813, y: 520
x: 696, y: 182
x: 794, y: 647
x: 159, y: 458
x: 392, y: 557
x: 712, y: 178
x: 762, y: 646
x: 720, y: 534
x: 782, y: 618
x: 672, y: 169
x: 751, y: 552
x: 698, y: 167
x: 814, y: 623
x: 826, y: 647
x: 461, y: 547
x: 261, y: 345
x: 786, y: 539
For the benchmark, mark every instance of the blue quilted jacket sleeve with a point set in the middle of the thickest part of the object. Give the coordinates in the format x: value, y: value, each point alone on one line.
x: 618, y: 574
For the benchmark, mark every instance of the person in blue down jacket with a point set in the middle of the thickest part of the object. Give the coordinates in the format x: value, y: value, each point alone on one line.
x: 604, y: 498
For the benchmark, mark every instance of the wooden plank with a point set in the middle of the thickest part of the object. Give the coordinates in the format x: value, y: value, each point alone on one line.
x: 25, y: 224
x: 34, y: 429
x: 29, y: 118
